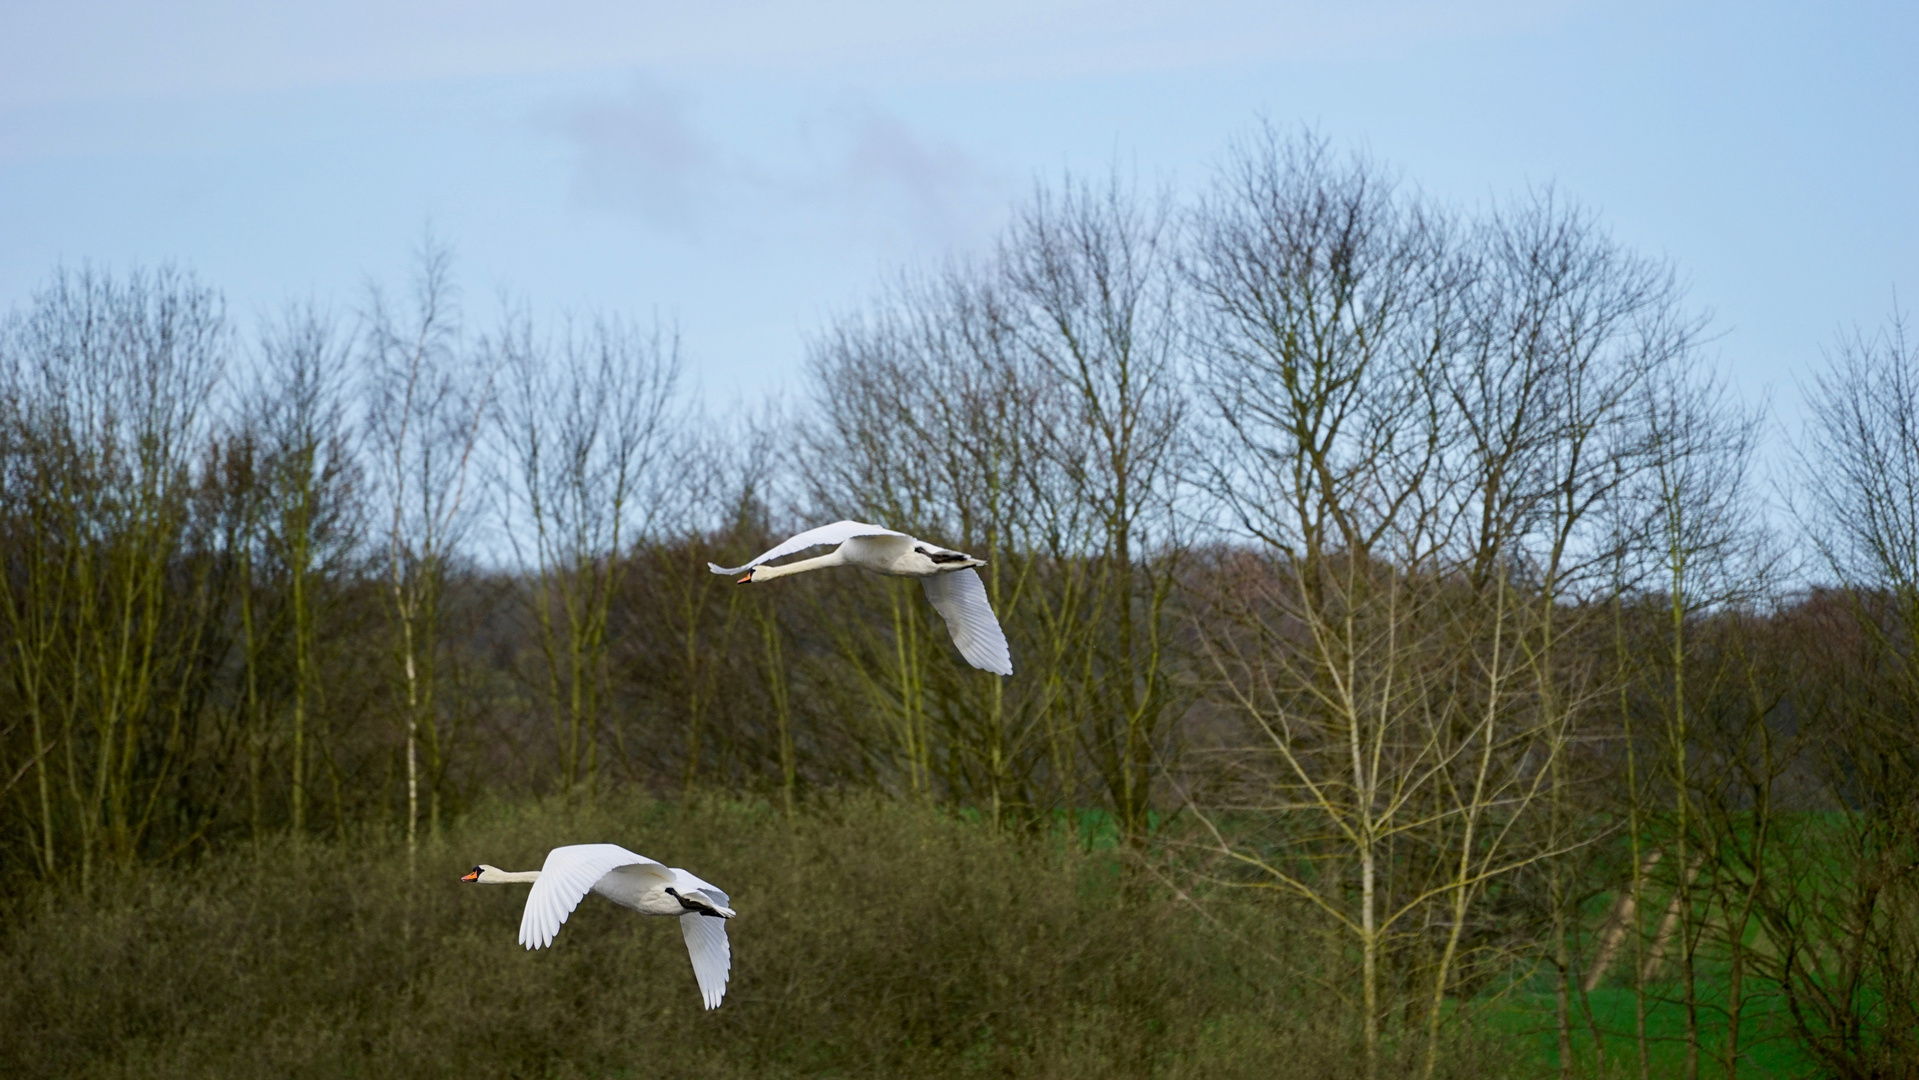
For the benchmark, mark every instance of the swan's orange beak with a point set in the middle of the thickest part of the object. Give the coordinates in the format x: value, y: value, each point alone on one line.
x: 471, y: 875
x: 744, y: 580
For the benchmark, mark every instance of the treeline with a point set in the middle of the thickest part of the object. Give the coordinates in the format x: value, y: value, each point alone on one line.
x: 1397, y: 567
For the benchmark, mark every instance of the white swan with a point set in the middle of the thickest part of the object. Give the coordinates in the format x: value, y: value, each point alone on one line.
x: 631, y: 881
x: 955, y: 590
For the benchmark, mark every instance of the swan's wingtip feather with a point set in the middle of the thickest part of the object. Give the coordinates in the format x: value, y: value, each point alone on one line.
x: 993, y: 665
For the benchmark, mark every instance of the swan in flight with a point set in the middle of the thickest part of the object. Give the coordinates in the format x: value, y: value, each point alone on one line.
x: 951, y: 584
x: 631, y: 881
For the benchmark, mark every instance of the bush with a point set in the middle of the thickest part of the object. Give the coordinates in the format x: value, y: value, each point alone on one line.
x: 873, y: 939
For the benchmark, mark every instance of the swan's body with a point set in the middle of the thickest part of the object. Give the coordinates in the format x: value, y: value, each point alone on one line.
x: 631, y: 881
x: 948, y: 575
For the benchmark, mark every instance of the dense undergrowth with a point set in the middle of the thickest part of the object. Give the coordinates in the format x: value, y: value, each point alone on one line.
x: 873, y: 939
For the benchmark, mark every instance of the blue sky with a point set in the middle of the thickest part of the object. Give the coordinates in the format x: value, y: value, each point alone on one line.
x: 749, y: 168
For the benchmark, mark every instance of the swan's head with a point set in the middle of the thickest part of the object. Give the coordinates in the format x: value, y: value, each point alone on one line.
x: 483, y: 873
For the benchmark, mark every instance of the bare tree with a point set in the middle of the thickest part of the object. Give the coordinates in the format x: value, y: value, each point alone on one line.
x: 869, y: 457
x: 312, y: 525
x: 927, y: 419
x: 429, y: 399
x: 1417, y: 424
x: 106, y: 384
x: 1308, y: 277
x: 586, y: 422
x: 1092, y: 296
x: 1844, y: 906
x: 1703, y: 542
x: 714, y: 496
x: 1560, y: 331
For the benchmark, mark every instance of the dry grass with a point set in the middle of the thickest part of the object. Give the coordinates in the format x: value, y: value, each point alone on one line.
x: 873, y: 940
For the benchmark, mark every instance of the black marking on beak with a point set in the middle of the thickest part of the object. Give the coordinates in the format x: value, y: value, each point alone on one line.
x: 745, y: 580
x: 471, y: 875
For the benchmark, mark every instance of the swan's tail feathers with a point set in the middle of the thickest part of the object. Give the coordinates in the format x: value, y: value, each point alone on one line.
x: 694, y: 900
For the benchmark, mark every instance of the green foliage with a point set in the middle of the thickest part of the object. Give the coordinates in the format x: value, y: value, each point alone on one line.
x: 873, y: 939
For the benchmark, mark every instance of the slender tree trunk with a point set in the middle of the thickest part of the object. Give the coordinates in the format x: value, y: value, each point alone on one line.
x: 254, y: 735
x: 1682, y: 899
x: 1562, y: 977
x: 1368, y: 886
x: 782, y: 713
x: 44, y: 786
x: 412, y: 740
x: 302, y: 679
x: 695, y: 699
x: 1369, y: 959
x: 1735, y: 992
x: 1642, y: 863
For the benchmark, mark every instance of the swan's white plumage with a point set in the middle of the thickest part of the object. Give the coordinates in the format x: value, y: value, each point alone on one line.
x: 712, y: 956
x: 951, y: 584
x: 837, y: 533
x: 567, y: 876
x: 960, y: 598
x: 634, y: 881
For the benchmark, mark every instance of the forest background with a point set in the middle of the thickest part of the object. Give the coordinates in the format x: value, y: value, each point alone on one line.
x: 1413, y: 673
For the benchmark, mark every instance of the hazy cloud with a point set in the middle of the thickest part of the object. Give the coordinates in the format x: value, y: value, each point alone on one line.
x: 639, y: 153
x: 936, y: 187
x: 850, y: 170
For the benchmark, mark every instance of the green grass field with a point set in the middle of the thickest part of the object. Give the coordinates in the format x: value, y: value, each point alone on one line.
x: 1766, y: 1049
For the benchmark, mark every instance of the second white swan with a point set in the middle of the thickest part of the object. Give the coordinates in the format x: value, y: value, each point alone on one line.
x: 631, y: 881
x: 951, y: 583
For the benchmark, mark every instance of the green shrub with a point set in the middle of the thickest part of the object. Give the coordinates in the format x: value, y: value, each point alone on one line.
x: 873, y: 940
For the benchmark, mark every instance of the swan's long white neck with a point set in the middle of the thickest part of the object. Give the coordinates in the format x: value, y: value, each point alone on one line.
x: 510, y: 877
x: 767, y: 573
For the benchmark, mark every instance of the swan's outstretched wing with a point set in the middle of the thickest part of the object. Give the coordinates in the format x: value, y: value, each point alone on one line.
x: 960, y: 597
x: 837, y: 533
x: 706, y: 937
x: 569, y: 874
x: 712, y: 956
